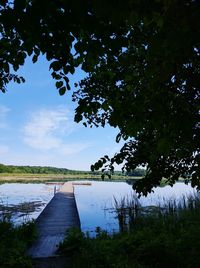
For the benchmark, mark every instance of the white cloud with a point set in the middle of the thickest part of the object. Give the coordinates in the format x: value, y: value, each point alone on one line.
x: 47, y: 129
x: 3, y: 113
x: 48, y: 136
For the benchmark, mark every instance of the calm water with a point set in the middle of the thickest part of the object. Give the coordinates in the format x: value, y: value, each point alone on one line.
x: 28, y: 199
x: 95, y: 203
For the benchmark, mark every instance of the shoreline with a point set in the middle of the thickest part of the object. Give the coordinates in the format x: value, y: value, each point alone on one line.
x: 45, y: 178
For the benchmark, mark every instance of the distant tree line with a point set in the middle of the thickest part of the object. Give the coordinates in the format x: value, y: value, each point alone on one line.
x: 36, y: 170
x: 138, y: 172
x: 54, y: 170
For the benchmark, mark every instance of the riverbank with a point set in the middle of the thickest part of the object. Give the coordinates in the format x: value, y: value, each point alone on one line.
x: 157, y: 239
x: 43, y: 178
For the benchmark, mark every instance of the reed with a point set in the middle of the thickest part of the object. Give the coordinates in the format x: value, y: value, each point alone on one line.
x: 129, y: 210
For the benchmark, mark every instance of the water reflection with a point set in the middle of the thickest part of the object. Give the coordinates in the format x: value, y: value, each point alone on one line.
x: 24, y: 201
x: 95, y: 203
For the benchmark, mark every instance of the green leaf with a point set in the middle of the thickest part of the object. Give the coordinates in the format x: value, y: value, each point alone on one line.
x: 92, y: 167
x: 6, y: 67
x: 3, y: 2
x: 35, y: 58
x: 19, y: 4
x: 15, y: 67
x: 118, y: 137
x: 68, y: 86
x: 78, y: 118
x: 62, y: 91
x: 18, y: 80
x: 56, y: 66
x: 59, y: 84
x: 22, y: 79
x: 72, y: 70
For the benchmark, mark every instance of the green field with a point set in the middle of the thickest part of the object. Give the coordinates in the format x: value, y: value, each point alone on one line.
x: 41, y: 178
x: 28, y: 174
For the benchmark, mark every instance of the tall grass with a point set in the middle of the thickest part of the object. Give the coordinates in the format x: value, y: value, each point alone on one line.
x: 151, y: 237
x: 14, y: 240
x: 129, y: 210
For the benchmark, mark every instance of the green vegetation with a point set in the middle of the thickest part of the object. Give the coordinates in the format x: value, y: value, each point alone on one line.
x: 13, y: 244
x: 45, y: 178
x: 138, y: 172
x: 10, y: 173
x: 156, y: 239
x: 37, y: 170
x: 142, y: 74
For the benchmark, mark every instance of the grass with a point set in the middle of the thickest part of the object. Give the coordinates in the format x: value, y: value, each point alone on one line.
x: 164, y: 237
x: 15, y: 240
x: 42, y: 178
x: 13, y: 244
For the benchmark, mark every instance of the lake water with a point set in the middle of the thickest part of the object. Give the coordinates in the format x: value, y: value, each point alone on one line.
x: 95, y: 203
x: 27, y: 199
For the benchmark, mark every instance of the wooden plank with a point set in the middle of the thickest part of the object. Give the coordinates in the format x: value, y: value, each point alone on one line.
x: 59, y: 215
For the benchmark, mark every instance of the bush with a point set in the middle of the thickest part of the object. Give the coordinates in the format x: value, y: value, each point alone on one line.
x: 155, y: 240
x: 13, y: 245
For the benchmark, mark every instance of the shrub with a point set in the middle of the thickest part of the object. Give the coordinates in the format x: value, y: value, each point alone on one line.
x: 13, y: 244
x: 168, y: 238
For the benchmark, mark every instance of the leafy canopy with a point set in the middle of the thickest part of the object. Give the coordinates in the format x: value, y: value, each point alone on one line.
x: 143, y: 64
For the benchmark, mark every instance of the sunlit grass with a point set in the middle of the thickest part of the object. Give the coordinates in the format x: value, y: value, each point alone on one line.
x: 40, y: 178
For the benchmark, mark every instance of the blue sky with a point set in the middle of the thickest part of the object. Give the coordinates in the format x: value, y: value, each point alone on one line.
x: 37, y: 126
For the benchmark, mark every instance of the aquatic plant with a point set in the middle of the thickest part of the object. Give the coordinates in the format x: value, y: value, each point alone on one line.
x: 128, y: 209
x: 166, y: 237
x: 22, y: 210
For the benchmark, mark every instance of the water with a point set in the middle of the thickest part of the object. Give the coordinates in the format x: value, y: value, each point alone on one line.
x: 24, y: 201
x: 95, y: 203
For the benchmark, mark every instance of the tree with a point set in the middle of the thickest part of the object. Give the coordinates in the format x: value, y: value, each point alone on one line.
x: 143, y: 63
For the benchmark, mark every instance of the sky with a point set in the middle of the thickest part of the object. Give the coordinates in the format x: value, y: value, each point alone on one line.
x: 37, y: 126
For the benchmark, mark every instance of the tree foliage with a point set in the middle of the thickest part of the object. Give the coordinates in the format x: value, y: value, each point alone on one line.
x: 34, y: 170
x: 142, y: 61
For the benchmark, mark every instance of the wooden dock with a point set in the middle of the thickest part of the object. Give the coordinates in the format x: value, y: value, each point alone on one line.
x: 59, y: 215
